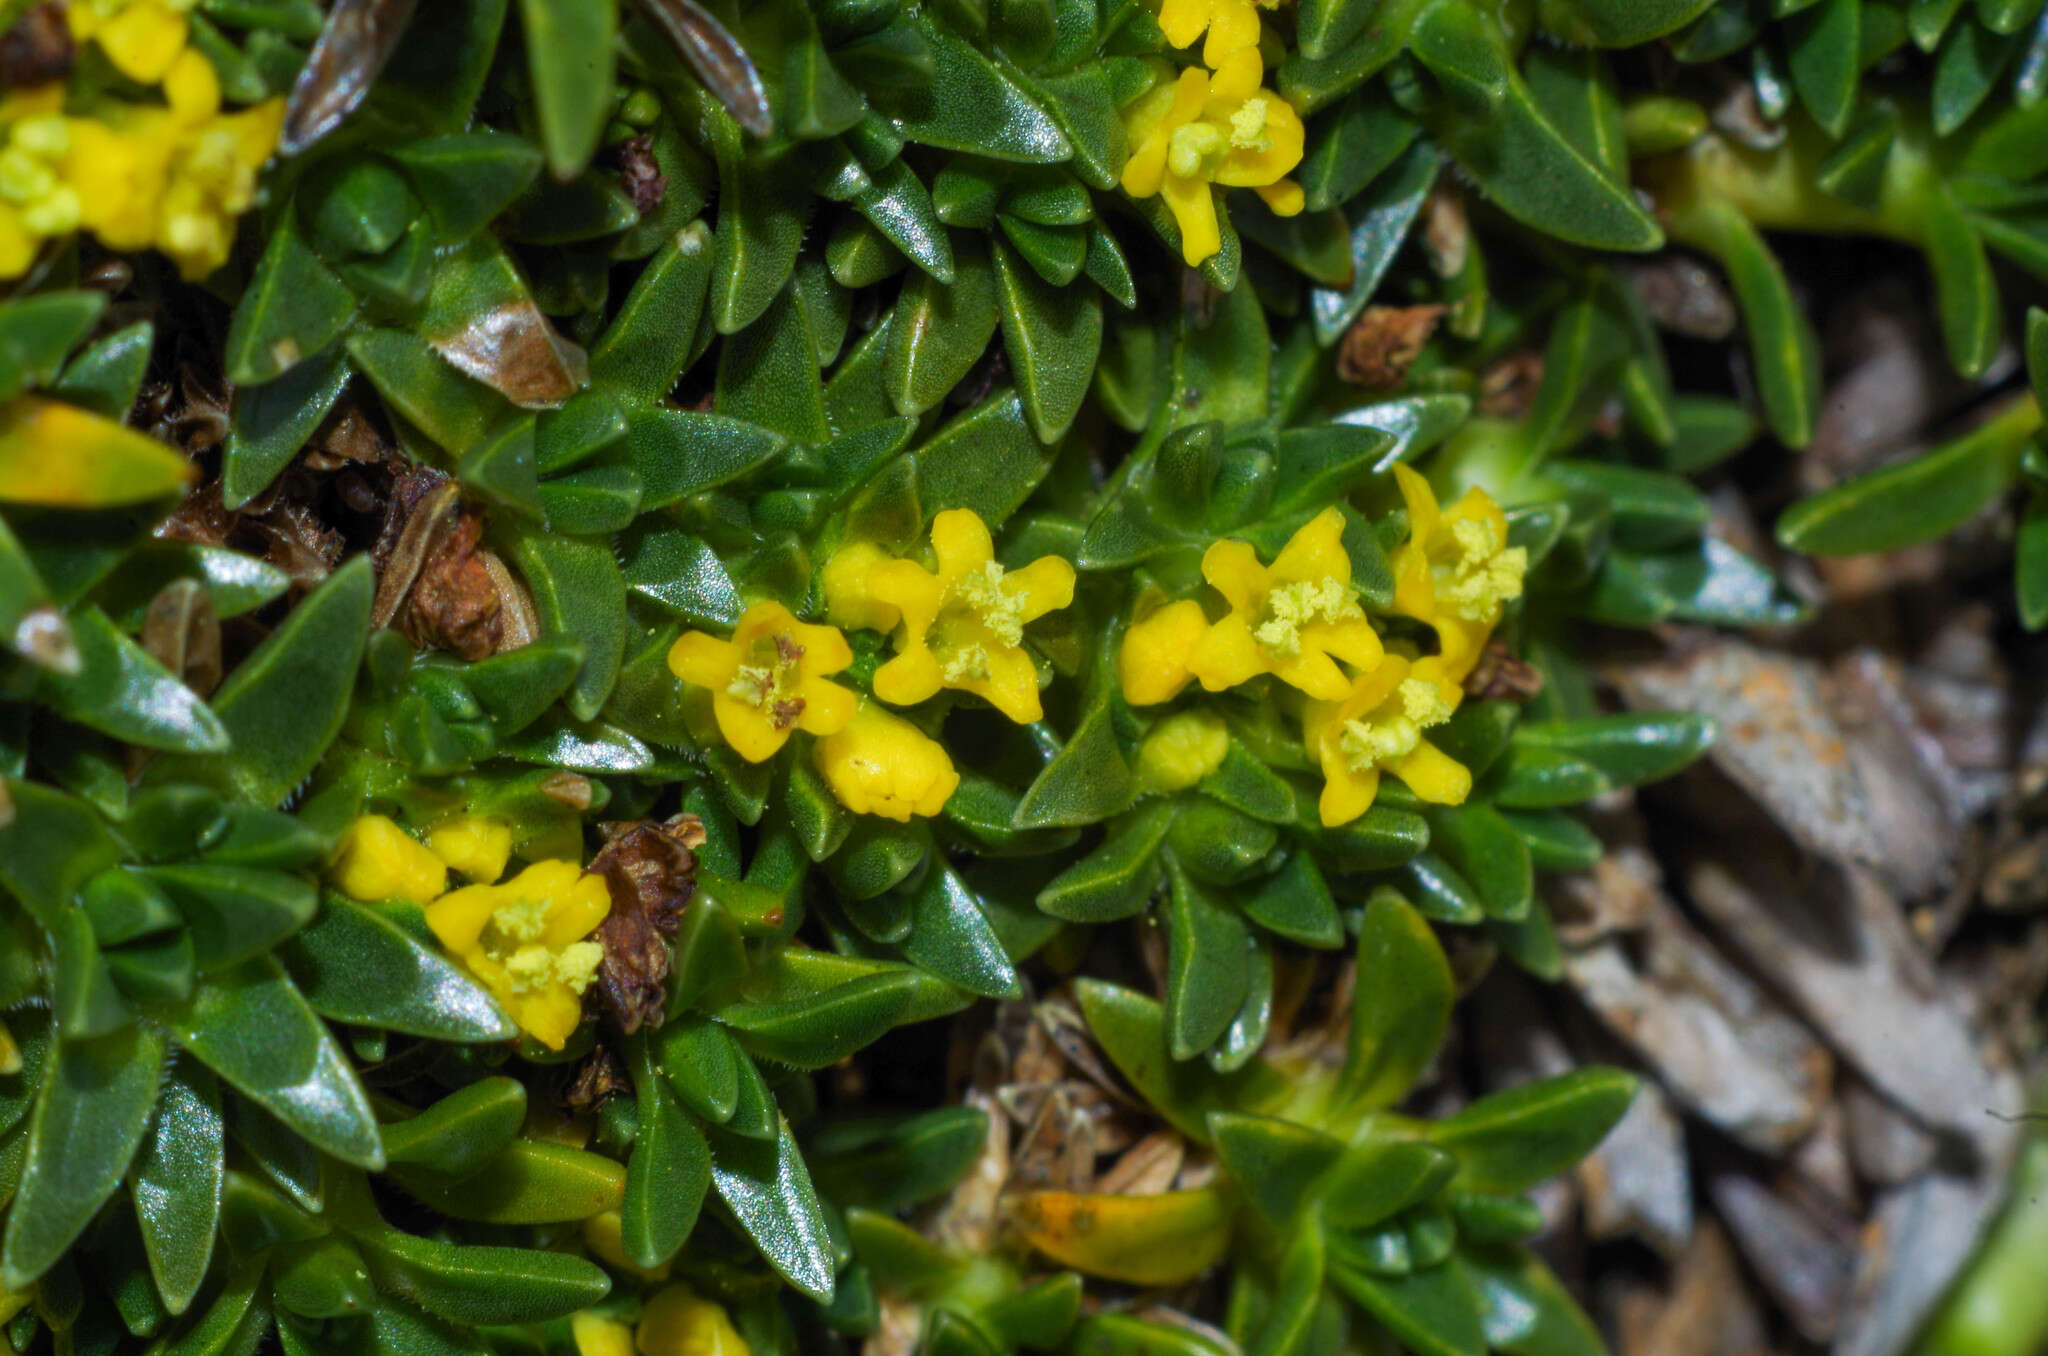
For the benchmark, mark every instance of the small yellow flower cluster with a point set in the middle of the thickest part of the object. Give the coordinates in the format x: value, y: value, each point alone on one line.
x: 527, y: 941
x: 1297, y: 618
x: 959, y: 625
x: 1213, y: 126
x: 677, y: 1321
x: 171, y: 175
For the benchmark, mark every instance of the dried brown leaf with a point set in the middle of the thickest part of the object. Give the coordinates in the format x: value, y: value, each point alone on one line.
x: 650, y: 870
x: 358, y: 39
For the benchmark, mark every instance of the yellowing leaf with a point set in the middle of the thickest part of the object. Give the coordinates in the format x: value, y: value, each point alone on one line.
x: 59, y: 456
x: 1143, y: 1240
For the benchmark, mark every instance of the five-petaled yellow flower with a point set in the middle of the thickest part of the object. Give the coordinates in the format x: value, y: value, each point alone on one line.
x: 959, y: 626
x: 769, y: 679
x: 677, y: 1321
x: 881, y: 764
x: 528, y: 942
x: 1378, y: 727
x: 1213, y: 128
x: 1455, y: 572
x: 1293, y: 619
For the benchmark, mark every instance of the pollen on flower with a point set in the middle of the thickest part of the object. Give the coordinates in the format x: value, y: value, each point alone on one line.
x: 1386, y: 735
x: 532, y: 968
x: 995, y: 608
x: 1248, y: 125
x: 1300, y: 603
x: 964, y: 664
x: 529, y: 942
x: 1484, y: 573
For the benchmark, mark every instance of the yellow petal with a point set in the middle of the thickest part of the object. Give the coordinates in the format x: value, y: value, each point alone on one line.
x: 827, y: 707
x: 1353, y: 641
x: 1012, y: 686
x: 458, y: 917
x: 911, y: 677
x: 1195, y: 212
x: 1233, y: 570
x: 476, y: 846
x: 1146, y: 168
x: 1283, y: 198
x: 191, y: 88
x: 679, y: 1322
x: 18, y: 244
x: 143, y: 40
x: 1152, y: 664
x: 1346, y: 794
x: 1045, y: 585
x: 914, y: 591
x: 961, y: 541
x: 378, y: 860
x: 1434, y: 776
x: 703, y: 660
x: 549, y: 1015
x: 849, y: 600
x: 1227, y: 655
x: 1233, y: 53
x: 750, y: 734
x: 1312, y: 672
x: 55, y: 455
x: 825, y: 647
x: 1183, y: 20
x: 596, y: 1335
x: 1316, y: 551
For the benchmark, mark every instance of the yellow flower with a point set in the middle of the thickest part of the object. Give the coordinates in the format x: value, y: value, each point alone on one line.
x: 142, y: 38
x: 596, y: 1335
x: 1205, y: 129
x: 528, y: 942
x: 604, y: 1234
x: 1232, y: 25
x: 378, y: 860
x: 475, y: 845
x: 680, y: 1322
x: 31, y: 181
x: 1378, y: 726
x: 768, y: 679
x: 881, y: 764
x: 960, y: 627
x: 1182, y: 749
x: 1293, y: 619
x: 1152, y: 664
x: 1455, y: 572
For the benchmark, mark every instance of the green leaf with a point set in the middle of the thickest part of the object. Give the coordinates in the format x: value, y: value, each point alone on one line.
x: 970, y: 105
x: 252, y: 1027
x: 463, y: 1131
x: 1051, y: 336
x: 356, y: 965
x: 1966, y: 293
x: 232, y: 913
x: 1381, y: 218
x: 1627, y: 749
x: 284, y: 704
x: 1295, y: 902
x: 526, y: 1182
x: 294, y: 308
x: 1825, y: 42
x: 270, y: 423
x: 580, y: 595
x: 1403, y: 1003
x: 1482, y: 847
x: 1206, y: 970
x: 1436, y: 1312
x: 1917, y: 500
x: 468, y: 178
x: 106, y: 375
x: 702, y: 1065
x: 811, y: 1033
x: 1086, y: 781
x: 760, y: 227
x: 38, y: 332
x: 1278, y: 1164
x: 668, y: 1174
x: 894, y: 1164
x: 644, y: 349
x: 1616, y: 23
x: 951, y: 938
x: 766, y: 1186
x: 1528, y: 1312
x: 1131, y: 1030
x: 569, y: 55
x: 1118, y: 878
x: 96, y: 1099
x: 2030, y: 563
x: 1782, y: 345
x: 678, y: 453
x: 121, y: 690
x: 482, y: 1285
x: 939, y: 330
x: 987, y: 460
x: 1376, y: 1180
x: 1511, y: 1140
x: 177, y: 1184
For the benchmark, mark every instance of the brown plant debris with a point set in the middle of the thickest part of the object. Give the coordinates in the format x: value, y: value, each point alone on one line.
x: 639, y: 175
x: 1383, y: 343
x: 36, y: 48
x: 651, y: 871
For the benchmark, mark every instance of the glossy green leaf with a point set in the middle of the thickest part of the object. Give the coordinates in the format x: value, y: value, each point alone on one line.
x: 668, y: 1174
x: 461, y: 1132
x: 1402, y: 1006
x: 526, y: 1182
x: 1511, y: 1140
x: 1051, y: 337
x: 578, y: 591
x: 569, y: 55
x: 253, y: 1028
x: 96, y: 1101
x: 1437, y: 1312
x: 812, y: 1033
x: 766, y: 1186
x: 284, y: 704
x: 294, y: 308
x: 478, y: 1285
x: 938, y: 331
x: 355, y: 965
x: 1781, y: 339
x: 271, y: 422
x: 122, y: 691
x: 468, y: 178
x: 177, y: 1184
x: 890, y: 1165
